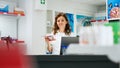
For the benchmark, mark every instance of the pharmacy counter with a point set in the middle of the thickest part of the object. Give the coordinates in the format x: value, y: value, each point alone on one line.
x: 73, y: 61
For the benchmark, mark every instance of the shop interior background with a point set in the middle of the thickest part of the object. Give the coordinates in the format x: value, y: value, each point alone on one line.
x: 38, y: 21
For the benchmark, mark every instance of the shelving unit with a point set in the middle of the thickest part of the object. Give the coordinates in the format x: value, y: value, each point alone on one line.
x: 13, y: 16
x: 114, y: 19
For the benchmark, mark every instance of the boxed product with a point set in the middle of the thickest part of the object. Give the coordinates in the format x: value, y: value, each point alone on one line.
x: 18, y: 11
x: 4, y: 7
x: 113, y: 9
x: 116, y: 30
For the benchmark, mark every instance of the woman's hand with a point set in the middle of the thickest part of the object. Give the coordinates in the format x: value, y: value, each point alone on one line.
x: 48, y: 39
x: 50, y: 48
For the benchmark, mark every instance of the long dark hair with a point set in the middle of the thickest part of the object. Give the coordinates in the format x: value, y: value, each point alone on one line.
x: 67, y: 27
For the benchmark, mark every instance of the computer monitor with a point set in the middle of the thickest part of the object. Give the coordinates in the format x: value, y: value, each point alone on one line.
x: 65, y: 41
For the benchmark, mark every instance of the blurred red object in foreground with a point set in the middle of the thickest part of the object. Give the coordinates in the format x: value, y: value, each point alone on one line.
x: 13, y: 58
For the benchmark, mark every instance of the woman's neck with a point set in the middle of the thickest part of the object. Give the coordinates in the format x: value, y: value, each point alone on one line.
x: 62, y: 30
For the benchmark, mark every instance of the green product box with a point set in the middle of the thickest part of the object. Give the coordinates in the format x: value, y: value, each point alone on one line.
x: 116, y: 30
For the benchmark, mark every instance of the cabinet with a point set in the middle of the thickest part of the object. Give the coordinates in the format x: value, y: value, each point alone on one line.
x: 9, y: 17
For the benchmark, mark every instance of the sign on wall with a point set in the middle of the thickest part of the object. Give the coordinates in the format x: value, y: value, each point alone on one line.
x: 40, y: 4
x: 71, y: 20
x: 113, y: 9
x: 83, y: 20
x: 42, y: 1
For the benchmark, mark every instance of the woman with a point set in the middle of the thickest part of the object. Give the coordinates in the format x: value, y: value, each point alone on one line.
x: 61, y: 28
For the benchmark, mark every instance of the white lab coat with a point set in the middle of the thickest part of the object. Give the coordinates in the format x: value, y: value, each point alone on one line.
x: 57, y: 43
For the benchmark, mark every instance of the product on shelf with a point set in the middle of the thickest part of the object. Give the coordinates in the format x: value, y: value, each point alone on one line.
x: 113, y: 9
x: 10, y: 8
x: 4, y: 7
x: 18, y: 11
x: 96, y: 35
x: 116, y: 31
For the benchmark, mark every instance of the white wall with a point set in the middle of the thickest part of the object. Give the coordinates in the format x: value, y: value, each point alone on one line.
x: 39, y: 31
x: 101, y: 11
x: 71, y: 7
x: 25, y: 23
x: 32, y: 27
x: 8, y: 26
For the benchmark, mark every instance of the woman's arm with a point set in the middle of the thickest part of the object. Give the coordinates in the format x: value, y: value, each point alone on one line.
x: 49, y: 46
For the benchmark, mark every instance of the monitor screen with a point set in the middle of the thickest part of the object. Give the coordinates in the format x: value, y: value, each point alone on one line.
x: 66, y: 41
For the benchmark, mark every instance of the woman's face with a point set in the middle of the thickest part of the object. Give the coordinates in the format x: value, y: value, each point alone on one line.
x: 61, y: 22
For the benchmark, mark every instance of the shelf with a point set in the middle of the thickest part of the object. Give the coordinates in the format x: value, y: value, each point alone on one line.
x: 11, y: 14
x: 114, y: 19
x: 99, y: 20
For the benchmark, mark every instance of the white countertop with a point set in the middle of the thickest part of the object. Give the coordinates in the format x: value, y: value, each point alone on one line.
x: 113, y: 52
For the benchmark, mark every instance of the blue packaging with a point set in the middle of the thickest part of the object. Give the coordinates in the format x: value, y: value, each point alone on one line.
x: 112, y: 6
x: 4, y: 8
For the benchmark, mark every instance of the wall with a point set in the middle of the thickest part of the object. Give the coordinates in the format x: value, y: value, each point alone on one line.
x: 101, y: 11
x: 8, y: 26
x: 71, y: 7
x: 25, y: 24
x: 39, y: 31
x: 32, y: 27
